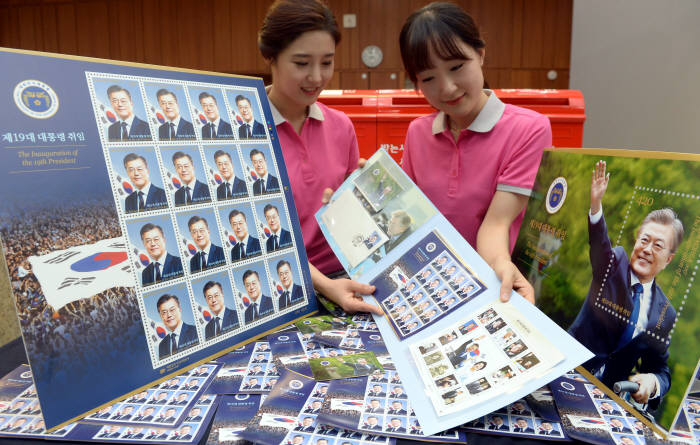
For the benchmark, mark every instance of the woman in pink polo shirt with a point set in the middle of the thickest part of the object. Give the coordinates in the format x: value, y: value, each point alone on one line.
x: 476, y: 158
x: 298, y: 40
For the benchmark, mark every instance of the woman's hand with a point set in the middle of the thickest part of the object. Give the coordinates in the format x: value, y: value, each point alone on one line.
x: 328, y: 192
x: 512, y: 279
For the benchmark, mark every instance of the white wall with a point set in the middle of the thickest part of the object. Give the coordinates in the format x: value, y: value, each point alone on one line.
x: 638, y: 65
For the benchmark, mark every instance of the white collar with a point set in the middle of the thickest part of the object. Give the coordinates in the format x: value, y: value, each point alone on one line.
x: 177, y: 332
x: 314, y: 111
x: 484, y: 122
x: 176, y: 121
x: 646, y: 287
x: 206, y: 251
x: 129, y: 120
x: 145, y: 188
x: 162, y: 257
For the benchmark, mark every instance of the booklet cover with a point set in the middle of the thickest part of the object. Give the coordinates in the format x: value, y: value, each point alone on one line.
x: 289, y: 415
x: 232, y: 416
x: 622, y: 280
x: 433, y: 287
x: 145, y: 233
x: 376, y: 404
x: 542, y: 403
x: 593, y: 416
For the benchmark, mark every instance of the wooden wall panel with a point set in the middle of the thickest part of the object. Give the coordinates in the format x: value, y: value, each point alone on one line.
x: 92, y: 19
x: 524, y: 38
x: 66, y: 27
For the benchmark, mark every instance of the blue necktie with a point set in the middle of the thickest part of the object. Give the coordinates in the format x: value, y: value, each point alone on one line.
x: 173, y: 343
x: 142, y: 205
x: 188, y: 198
x: 124, y: 133
x: 629, y: 330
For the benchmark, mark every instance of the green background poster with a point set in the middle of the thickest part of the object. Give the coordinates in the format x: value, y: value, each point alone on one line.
x: 552, y: 249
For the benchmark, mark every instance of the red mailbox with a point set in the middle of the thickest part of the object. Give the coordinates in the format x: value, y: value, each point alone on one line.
x: 381, y: 117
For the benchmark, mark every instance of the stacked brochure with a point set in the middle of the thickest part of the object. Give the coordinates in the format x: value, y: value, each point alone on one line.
x: 461, y: 353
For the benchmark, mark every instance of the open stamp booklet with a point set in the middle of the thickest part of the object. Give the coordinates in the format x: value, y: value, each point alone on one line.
x: 460, y: 351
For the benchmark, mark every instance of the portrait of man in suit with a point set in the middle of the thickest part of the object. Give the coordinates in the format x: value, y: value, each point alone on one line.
x: 125, y: 414
x: 266, y: 182
x: 252, y: 383
x: 306, y: 425
x: 397, y: 408
x: 175, y: 127
x: 634, y: 345
x: 16, y: 407
x: 395, y: 426
x: 110, y: 432
x: 247, y: 245
x: 315, y: 407
x: 521, y: 426
x: 280, y: 237
x: 208, y: 254
x: 192, y: 385
x: 260, y: 304
x: 361, y: 367
x: 37, y: 428
x: 180, y: 335
x: 250, y: 129
x: 128, y: 127
x: 134, y: 433
x: 163, y: 265
x: 192, y: 191
x: 159, y: 434
x: 216, y: 127
x: 398, y: 228
x: 607, y: 409
x: 138, y: 398
x: 195, y: 415
x: 292, y: 292
x: 232, y: 186
x: 223, y: 319
x: 496, y: 423
x: 372, y: 424
x: 180, y: 399
x: 374, y: 406
x: 146, y: 415
x: 184, y: 433
x: 616, y: 426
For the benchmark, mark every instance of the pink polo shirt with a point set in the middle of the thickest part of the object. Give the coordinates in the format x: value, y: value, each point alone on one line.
x: 323, y: 155
x: 501, y: 150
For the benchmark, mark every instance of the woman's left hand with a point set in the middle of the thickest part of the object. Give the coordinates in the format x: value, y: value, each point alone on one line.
x: 512, y: 279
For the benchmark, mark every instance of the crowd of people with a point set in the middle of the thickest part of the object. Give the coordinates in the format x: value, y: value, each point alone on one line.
x: 79, y: 335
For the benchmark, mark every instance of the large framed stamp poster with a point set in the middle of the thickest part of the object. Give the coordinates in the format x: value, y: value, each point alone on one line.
x: 611, y: 243
x: 147, y: 222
